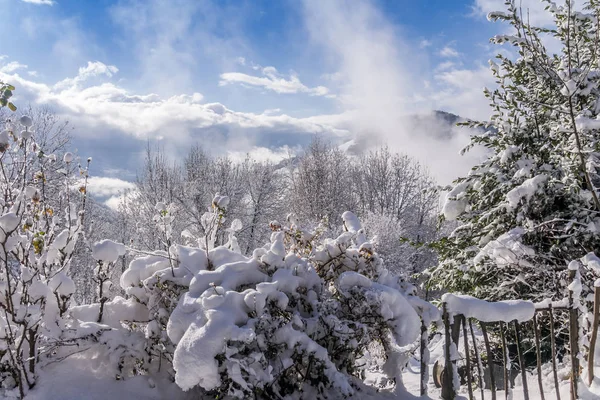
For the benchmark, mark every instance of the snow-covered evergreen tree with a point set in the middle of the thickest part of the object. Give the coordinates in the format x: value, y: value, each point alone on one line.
x: 532, y: 206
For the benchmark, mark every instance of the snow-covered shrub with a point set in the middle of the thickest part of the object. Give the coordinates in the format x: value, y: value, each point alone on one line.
x: 37, y: 239
x: 298, y: 317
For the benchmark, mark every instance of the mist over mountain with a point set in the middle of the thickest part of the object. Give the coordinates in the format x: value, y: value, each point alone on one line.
x: 436, y: 125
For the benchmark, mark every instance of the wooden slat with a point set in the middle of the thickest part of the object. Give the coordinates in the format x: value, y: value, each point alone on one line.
x: 424, y: 367
x: 505, y: 363
x: 521, y: 360
x: 596, y: 321
x: 538, y: 352
x: 448, y: 392
x: 478, y: 359
x: 553, y: 345
x: 467, y: 358
x: 573, y: 340
x: 490, y: 359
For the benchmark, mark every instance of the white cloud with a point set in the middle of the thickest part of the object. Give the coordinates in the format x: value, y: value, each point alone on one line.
x: 264, y: 153
x: 445, y: 66
x: 93, y: 69
x: 425, y: 43
x: 11, y: 67
x: 40, y: 2
x: 462, y: 91
x: 381, y: 88
x: 273, y: 80
x: 272, y: 111
x: 101, y: 186
x: 537, y: 14
x: 449, y: 52
x: 118, y: 121
x: 114, y: 202
x: 171, y: 41
x: 532, y: 11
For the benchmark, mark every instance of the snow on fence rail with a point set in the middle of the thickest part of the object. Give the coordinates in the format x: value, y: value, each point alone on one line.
x: 460, y: 311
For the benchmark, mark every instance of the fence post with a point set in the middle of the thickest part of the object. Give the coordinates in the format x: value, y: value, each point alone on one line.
x: 448, y: 389
x: 478, y: 359
x: 468, y: 358
x: 424, y: 358
x: 521, y: 360
x: 490, y: 359
x: 573, y: 338
x: 594, y: 332
x: 553, y: 346
x: 507, y: 386
x: 538, y: 355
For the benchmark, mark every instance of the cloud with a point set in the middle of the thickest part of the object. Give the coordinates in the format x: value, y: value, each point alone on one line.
x: 535, y: 8
x: 114, y: 202
x: 445, y: 66
x: 174, y: 43
x: 461, y: 91
x: 110, y: 191
x: 100, y: 186
x: 273, y: 80
x: 40, y: 2
x: 93, y: 69
x: 11, y: 67
x: 449, y: 52
x: 425, y: 43
x: 112, y: 124
x: 265, y: 154
x: 381, y: 88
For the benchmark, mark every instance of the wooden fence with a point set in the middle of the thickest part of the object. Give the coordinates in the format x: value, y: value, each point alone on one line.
x: 452, y: 331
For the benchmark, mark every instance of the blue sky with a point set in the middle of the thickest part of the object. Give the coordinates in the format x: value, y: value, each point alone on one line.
x: 249, y: 76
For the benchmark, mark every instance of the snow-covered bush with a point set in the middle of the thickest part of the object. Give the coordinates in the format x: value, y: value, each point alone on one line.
x: 299, y: 317
x: 37, y: 239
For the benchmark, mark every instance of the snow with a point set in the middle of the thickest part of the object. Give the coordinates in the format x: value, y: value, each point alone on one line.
x: 62, y: 284
x: 507, y: 153
x: 142, y: 268
x: 525, y: 191
x: 220, y: 201
x: 456, y: 201
x: 507, y: 249
x: 115, y: 311
x: 591, y: 260
x: 26, y: 134
x: 26, y: 121
x: 79, y: 377
x: 107, y: 251
x: 574, y: 265
x: 4, y: 138
x: 68, y: 157
x: 585, y: 123
x: 353, y: 225
x: 9, y: 222
x: 506, y: 311
x: 555, y: 304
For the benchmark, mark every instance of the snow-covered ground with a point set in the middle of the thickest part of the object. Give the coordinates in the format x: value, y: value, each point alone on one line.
x: 78, y: 378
